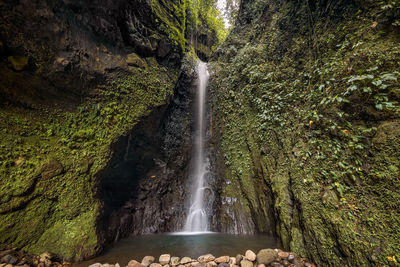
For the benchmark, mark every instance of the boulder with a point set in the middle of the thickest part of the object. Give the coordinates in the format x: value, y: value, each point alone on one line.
x: 206, y: 258
x: 246, y: 263
x: 164, y: 259
x: 175, y: 261
x: 147, y: 260
x: 250, y: 255
x: 134, y: 263
x: 222, y: 259
x: 266, y: 256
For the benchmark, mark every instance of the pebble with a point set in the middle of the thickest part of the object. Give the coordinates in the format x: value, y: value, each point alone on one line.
x: 239, y: 258
x: 185, y: 260
x: 155, y: 265
x: 147, y: 260
x: 246, y: 263
x: 283, y: 254
x: 134, y: 263
x: 211, y: 264
x: 291, y: 257
x: 164, y: 259
x: 223, y: 264
x: 261, y: 265
x: 205, y: 258
x: 175, y: 261
x: 250, y: 255
x: 222, y: 259
x: 232, y: 260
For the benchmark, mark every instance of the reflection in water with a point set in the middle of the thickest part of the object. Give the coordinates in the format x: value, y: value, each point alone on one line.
x: 180, y: 245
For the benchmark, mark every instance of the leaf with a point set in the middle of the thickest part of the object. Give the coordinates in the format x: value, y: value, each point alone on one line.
x: 379, y: 106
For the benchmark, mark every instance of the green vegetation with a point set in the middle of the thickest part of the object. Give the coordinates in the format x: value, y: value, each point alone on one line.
x: 51, y: 159
x: 188, y: 17
x: 316, y: 116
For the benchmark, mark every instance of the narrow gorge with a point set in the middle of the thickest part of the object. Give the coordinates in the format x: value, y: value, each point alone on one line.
x: 132, y: 128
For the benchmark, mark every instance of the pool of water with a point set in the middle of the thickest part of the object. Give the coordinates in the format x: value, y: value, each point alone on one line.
x: 180, y: 245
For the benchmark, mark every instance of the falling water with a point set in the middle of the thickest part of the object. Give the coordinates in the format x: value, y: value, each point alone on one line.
x: 197, y: 220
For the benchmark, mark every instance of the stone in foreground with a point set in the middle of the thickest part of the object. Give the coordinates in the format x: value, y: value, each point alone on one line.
x: 222, y: 259
x: 266, y: 256
x: 147, y: 260
x: 175, y: 261
x: 134, y: 263
x: 206, y: 258
x: 164, y: 259
x: 250, y: 255
x: 246, y: 263
x: 185, y: 260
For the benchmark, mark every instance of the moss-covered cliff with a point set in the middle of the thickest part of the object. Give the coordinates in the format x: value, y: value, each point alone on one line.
x: 304, y: 98
x: 76, y: 77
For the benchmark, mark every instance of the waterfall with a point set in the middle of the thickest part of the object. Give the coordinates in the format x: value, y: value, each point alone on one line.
x: 198, y: 219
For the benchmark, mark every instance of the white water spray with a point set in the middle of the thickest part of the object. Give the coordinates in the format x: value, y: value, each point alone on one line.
x: 197, y: 220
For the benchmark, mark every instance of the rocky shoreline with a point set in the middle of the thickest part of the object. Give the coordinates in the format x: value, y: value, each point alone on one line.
x: 264, y: 258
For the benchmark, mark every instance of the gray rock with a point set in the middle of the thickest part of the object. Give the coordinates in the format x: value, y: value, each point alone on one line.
x: 266, y: 256
x: 164, y: 259
x: 9, y: 259
x: 276, y: 264
x: 147, y: 260
x: 223, y: 264
x: 246, y: 263
x: 185, y: 260
x: 291, y: 257
x: 175, y: 261
x: 206, y: 258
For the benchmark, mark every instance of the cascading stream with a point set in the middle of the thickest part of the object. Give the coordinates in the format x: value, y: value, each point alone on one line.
x: 197, y: 219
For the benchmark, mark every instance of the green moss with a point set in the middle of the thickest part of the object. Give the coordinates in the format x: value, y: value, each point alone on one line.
x: 57, y: 211
x: 311, y: 110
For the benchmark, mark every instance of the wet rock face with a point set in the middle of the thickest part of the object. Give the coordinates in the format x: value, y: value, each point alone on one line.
x: 73, y: 44
x: 143, y: 189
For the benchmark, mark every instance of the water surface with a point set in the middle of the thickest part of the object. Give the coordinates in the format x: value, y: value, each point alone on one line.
x: 180, y: 245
